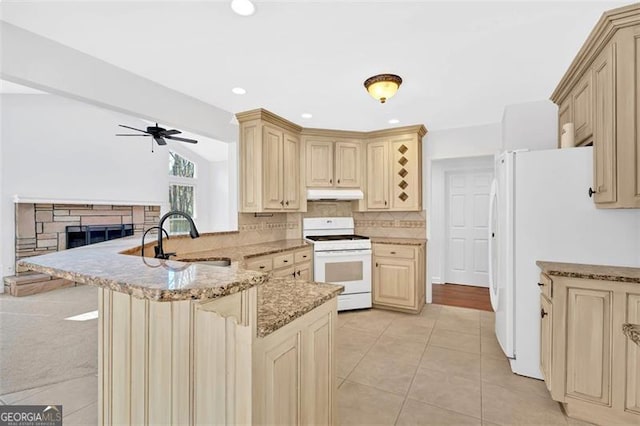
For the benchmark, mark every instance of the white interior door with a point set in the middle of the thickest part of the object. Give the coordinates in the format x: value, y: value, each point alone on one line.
x: 467, y: 212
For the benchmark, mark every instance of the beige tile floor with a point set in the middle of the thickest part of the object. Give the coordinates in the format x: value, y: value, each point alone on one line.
x: 442, y: 367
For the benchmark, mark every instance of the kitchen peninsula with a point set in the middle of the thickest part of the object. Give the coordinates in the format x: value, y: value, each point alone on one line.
x: 184, y: 342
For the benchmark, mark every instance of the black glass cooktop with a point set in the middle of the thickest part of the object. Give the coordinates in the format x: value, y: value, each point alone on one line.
x: 337, y: 237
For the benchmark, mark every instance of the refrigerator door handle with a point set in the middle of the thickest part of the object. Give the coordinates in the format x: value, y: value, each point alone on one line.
x: 493, y: 291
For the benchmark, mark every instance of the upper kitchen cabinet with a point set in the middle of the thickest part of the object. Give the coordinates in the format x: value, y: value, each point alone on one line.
x: 394, y: 170
x: 332, y: 162
x: 600, y: 95
x: 270, y: 163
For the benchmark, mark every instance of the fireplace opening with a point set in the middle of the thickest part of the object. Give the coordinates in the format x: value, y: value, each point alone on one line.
x: 78, y: 236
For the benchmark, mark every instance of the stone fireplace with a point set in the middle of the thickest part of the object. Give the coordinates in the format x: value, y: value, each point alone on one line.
x: 46, y: 228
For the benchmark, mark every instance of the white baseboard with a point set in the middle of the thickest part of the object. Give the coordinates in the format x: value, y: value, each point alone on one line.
x: 436, y: 280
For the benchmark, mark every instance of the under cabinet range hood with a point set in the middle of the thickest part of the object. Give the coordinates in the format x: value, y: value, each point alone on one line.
x: 334, y: 194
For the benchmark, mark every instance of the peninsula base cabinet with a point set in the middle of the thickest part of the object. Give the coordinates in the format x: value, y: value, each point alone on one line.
x: 398, y: 277
x: 588, y: 364
x: 202, y: 362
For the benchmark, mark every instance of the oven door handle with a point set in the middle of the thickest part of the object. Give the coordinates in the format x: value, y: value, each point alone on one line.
x: 334, y: 253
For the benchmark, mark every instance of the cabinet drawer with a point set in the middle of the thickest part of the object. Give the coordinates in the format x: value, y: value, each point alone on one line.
x: 285, y: 272
x: 546, y: 285
x: 283, y: 260
x: 261, y: 264
x: 303, y: 255
x: 386, y: 250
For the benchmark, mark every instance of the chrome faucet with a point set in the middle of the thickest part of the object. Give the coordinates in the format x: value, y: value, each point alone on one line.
x: 193, y: 232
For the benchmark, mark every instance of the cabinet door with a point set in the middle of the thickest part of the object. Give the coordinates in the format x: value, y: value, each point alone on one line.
x: 546, y: 322
x: 292, y: 176
x: 394, y: 282
x: 250, y: 167
x: 319, y: 163
x: 282, y: 383
x: 378, y: 175
x: 583, y: 110
x: 588, y: 365
x: 604, y: 140
x: 288, y: 272
x: 272, y: 174
x: 347, y: 164
x: 406, y: 186
x: 318, y: 380
x: 304, y: 271
x: 632, y: 402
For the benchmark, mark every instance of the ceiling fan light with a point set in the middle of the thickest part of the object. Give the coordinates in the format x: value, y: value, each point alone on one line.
x: 243, y: 7
x: 383, y: 86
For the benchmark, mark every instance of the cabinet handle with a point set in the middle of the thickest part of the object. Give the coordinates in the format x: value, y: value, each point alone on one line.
x: 393, y: 252
x: 285, y: 261
x: 541, y: 284
x: 385, y: 202
x: 376, y: 264
x: 298, y: 273
x: 543, y: 313
x: 338, y: 180
x: 293, y: 274
x: 287, y: 203
x: 304, y: 257
x: 282, y: 203
x: 330, y: 180
x: 591, y: 192
x: 262, y: 267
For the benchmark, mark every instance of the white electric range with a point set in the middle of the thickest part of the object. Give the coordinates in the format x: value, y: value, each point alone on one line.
x: 341, y: 257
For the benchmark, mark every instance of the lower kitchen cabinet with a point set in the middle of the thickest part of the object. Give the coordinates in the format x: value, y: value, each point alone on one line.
x: 295, y: 372
x: 295, y: 263
x: 588, y: 363
x: 398, y: 277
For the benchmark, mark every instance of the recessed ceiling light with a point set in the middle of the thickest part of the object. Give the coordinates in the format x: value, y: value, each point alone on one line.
x: 243, y: 7
x: 306, y: 115
x: 394, y: 121
x: 238, y: 91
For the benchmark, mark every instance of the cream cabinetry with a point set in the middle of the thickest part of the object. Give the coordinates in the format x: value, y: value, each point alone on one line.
x: 295, y: 381
x: 398, y: 277
x: 297, y: 263
x: 394, y: 173
x: 588, y: 363
x: 600, y: 95
x: 270, y: 164
x: 333, y: 163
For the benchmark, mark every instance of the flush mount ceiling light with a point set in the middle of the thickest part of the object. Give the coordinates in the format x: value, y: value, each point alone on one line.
x: 383, y: 86
x: 306, y: 115
x: 238, y: 91
x: 394, y: 121
x: 243, y: 7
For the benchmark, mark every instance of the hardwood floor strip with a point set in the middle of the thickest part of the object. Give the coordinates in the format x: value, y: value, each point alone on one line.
x: 463, y: 296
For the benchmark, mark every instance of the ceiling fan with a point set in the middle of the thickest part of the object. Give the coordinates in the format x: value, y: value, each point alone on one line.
x: 158, y: 134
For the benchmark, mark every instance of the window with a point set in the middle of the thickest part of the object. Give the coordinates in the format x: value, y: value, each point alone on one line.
x: 182, y: 191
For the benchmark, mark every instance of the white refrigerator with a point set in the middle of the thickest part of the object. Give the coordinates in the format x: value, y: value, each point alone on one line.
x: 540, y: 210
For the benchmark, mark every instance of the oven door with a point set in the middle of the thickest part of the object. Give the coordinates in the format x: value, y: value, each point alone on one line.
x: 350, y: 268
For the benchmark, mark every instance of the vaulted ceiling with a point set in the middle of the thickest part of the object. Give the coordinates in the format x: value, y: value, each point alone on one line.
x: 461, y: 62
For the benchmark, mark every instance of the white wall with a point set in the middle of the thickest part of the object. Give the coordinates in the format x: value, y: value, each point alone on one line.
x: 60, y: 149
x: 530, y: 125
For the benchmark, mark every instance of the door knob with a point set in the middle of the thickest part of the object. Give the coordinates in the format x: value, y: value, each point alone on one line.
x: 591, y: 192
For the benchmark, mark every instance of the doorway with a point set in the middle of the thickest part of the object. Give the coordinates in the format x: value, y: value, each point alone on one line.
x: 467, y: 223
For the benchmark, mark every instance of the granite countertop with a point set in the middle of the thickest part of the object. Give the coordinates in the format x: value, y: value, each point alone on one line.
x: 241, y: 253
x: 102, y: 265
x: 399, y: 241
x: 591, y: 272
x: 282, y: 300
x: 632, y: 331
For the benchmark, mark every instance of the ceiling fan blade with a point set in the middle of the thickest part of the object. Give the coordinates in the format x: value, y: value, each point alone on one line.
x: 171, y: 132
x: 122, y: 134
x: 159, y: 140
x: 175, y: 138
x: 133, y: 128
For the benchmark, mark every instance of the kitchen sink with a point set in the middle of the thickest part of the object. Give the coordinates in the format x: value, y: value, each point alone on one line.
x: 213, y: 261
